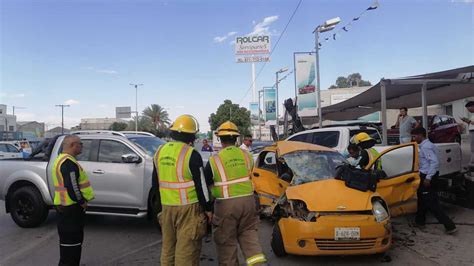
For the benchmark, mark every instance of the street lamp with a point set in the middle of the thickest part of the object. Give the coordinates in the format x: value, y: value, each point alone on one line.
x: 136, y: 104
x: 326, y: 26
x: 276, y: 86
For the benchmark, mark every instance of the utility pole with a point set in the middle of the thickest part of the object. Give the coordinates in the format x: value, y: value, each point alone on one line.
x: 17, y: 107
x: 136, y: 104
x: 62, y: 115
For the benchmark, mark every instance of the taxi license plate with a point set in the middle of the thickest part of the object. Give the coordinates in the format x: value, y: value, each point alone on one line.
x: 347, y: 233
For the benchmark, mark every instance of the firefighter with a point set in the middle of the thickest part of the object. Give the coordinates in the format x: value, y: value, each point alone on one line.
x: 186, y: 208
x: 367, y: 152
x: 72, y: 191
x: 235, y: 221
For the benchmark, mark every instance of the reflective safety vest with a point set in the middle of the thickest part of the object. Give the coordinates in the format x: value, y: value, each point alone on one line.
x: 231, y: 169
x: 372, y: 155
x: 61, y: 196
x: 174, y: 176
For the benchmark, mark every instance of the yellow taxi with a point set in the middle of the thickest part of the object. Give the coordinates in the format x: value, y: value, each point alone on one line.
x: 319, y: 214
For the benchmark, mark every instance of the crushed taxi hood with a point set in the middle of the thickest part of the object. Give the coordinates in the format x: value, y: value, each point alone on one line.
x: 330, y: 195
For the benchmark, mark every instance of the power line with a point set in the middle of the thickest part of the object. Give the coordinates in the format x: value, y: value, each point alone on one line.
x: 273, y: 50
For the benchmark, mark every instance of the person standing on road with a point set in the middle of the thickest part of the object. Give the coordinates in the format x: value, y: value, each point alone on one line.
x: 429, y: 170
x: 206, y: 146
x: 72, y: 191
x: 235, y: 221
x: 186, y: 208
x: 247, y: 145
x: 470, y: 122
x: 367, y: 152
x: 405, y: 124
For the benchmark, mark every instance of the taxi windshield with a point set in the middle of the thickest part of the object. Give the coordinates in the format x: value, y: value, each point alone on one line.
x: 310, y: 166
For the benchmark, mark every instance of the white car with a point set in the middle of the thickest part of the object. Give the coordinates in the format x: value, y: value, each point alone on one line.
x: 9, y: 150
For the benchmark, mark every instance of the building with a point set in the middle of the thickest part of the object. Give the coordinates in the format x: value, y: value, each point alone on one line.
x: 7, y: 122
x: 99, y: 123
x: 55, y: 131
x: 31, y: 127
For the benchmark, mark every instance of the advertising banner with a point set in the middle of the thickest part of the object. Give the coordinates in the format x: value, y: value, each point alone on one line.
x: 269, y: 104
x: 305, y: 81
x: 254, y: 113
x: 249, y: 45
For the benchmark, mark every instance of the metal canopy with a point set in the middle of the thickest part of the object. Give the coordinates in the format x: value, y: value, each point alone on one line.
x: 439, y: 87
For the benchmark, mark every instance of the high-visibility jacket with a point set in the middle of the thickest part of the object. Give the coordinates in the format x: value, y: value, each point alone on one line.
x: 372, y: 156
x: 231, y: 169
x: 61, y: 196
x: 174, y: 175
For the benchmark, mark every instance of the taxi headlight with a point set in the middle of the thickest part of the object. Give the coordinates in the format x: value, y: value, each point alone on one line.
x: 379, y: 211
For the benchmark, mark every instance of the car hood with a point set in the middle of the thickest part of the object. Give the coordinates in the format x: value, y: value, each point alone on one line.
x: 330, y: 195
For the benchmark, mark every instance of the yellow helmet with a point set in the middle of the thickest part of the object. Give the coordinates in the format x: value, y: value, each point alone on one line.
x: 185, y: 124
x: 361, y: 137
x: 227, y: 129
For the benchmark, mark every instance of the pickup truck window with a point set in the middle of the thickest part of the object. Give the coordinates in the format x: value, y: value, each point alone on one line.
x: 111, y: 151
x: 372, y: 133
x: 325, y: 138
x: 86, y: 150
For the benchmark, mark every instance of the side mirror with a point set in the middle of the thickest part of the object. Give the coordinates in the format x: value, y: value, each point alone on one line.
x: 131, y: 158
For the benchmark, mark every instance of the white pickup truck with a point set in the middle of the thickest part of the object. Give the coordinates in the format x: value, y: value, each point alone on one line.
x: 338, y: 138
x: 119, y: 167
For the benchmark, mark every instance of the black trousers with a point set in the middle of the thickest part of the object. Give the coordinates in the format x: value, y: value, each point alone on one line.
x: 71, y: 234
x: 428, y: 200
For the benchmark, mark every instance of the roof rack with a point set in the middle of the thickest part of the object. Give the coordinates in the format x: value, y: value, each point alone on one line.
x: 138, y: 133
x: 88, y: 132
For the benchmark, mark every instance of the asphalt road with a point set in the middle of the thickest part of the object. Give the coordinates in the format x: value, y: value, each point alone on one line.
x: 129, y: 241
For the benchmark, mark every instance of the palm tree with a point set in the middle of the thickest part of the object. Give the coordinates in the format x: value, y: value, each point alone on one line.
x: 158, y: 116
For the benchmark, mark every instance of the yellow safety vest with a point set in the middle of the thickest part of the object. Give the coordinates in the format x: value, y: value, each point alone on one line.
x: 372, y: 155
x: 61, y: 196
x: 174, y: 176
x: 231, y: 169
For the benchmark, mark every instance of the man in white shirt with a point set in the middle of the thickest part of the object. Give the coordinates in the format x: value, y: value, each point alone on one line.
x: 247, y: 145
x: 470, y: 122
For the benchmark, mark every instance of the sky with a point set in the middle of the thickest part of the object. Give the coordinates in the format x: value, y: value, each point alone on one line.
x: 86, y: 52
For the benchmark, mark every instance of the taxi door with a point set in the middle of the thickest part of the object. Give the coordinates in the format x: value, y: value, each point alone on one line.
x: 268, y: 186
x: 398, y: 188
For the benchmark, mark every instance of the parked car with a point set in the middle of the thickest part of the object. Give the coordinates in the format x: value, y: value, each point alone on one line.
x: 8, y: 150
x: 317, y: 214
x: 441, y: 129
x: 119, y: 168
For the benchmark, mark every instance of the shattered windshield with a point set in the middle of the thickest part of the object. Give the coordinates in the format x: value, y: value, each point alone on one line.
x: 309, y: 166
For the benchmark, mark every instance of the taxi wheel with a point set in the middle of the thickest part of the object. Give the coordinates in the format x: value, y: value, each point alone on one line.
x: 277, y: 244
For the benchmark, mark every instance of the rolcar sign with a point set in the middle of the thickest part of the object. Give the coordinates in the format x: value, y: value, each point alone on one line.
x: 246, y: 45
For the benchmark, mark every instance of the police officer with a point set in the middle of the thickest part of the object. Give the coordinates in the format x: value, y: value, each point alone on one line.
x: 72, y: 191
x: 367, y: 152
x: 235, y: 221
x: 186, y: 207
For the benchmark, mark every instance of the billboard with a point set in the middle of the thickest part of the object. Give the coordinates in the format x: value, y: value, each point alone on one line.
x: 254, y: 113
x: 269, y: 104
x: 305, y: 81
x: 249, y: 45
x: 123, y: 112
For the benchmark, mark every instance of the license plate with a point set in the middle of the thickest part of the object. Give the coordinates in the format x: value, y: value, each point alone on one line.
x: 347, y: 233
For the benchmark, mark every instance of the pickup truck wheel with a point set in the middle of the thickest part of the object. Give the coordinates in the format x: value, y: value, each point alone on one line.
x: 27, y: 207
x: 277, y: 244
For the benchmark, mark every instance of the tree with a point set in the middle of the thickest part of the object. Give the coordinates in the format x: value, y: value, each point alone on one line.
x: 118, y: 126
x: 353, y: 80
x: 157, y: 115
x: 240, y: 116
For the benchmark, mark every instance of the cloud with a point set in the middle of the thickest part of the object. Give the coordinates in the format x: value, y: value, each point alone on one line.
x: 71, y: 102
x: 12, y: 95
x: 263, y: 27
x: 23, y: 116
x: 220, y: 39
x: 107, y: 71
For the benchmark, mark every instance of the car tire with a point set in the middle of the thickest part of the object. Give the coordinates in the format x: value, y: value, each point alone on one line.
x: 155, y: 205
x: 277, y: 244
x: 27, y: 207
